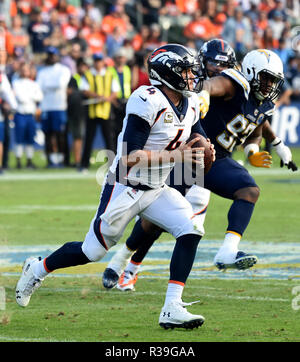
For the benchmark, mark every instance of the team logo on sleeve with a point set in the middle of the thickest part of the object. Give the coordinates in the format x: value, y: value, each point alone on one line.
x: 168, y: 117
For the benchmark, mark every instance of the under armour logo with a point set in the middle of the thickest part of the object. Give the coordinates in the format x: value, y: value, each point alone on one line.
x: 167, y: 314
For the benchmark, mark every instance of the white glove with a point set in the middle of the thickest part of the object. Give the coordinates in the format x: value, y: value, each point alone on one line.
x: 284, y: 153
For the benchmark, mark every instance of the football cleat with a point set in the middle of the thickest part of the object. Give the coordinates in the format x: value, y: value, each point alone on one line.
x: 175, y: 315
x: 110, y: 278
x: 28, y: 283
x: 242, y: 261
x: 127, y: 281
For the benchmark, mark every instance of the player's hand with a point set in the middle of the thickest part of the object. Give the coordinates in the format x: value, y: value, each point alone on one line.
x: 185, y: 153
x: 204, y: 101
x: 285, y: 155
x: 212, y: 148
x: 260, y: 159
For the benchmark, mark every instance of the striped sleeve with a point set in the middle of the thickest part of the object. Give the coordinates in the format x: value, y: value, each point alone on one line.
x: 238, y: 78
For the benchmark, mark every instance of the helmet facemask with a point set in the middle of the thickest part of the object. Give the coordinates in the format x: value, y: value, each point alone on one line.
x: 266, y: 85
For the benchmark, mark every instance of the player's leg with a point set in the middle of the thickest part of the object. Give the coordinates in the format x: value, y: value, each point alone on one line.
x: 29, y: 140
x: 173, y: 213
x: 20, y: 128
x: 230, y: 180
x: 93, y: 248
x: 129, y: 258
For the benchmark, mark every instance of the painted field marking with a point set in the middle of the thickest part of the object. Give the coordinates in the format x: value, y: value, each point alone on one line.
x: 275, y: 260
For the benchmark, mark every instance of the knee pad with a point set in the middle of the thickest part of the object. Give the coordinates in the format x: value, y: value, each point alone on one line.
x: 92, y: 248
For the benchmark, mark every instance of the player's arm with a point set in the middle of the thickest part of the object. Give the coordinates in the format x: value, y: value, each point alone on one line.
x: 251, y: 149
x: 219, y: 87
x: 281, y: 149
x: 215, y: 87
x: 135, y: 137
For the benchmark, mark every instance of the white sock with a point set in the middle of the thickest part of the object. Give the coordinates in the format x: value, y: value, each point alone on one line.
x: 174, y: 292
x: 19, y: 150
x: 29, y: 150
x: 133, y: 267
x: 120, y: 259
x: 39, y: 269
x: 229, y: 249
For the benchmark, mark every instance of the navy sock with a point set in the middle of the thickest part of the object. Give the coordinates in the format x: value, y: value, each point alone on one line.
x: 183, y: 257
x: 141, y: 241
x: 70, y: 254
x: 239, y: 215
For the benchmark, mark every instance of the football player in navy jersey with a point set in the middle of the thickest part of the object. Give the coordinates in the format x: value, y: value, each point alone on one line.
x: 240, y: 105
x: 158, y: 123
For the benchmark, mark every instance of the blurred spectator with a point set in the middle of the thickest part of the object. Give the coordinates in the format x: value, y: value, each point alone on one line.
x: 9, y: 44
x: 117, y: 17
x: 139, y: 70
x: 86, y: 22
x: 101, y: 90
x: 114, y: 41
x: 95, y: 40
x: 70, y: 59
x: 229, y: 8
x: 121, y: 73
x: 8, y: 103
x: 38, y: 31
x: 70, y: 28
x: 262, y: 21
x: 88, y: 9
x: 20, y: 37
x: 237, y: 31
x: 200, y: 29
x: 76, y: 110
x: 150, y: 10
x: 65, y: 10
x: 155, y: 38
x: 28, y: 95
x: 210, y: 9
x: 277, y: 24
x: 278, y: 8
x: 284, y: 52
x: 187, y: 6
x: 53, y: 80
x: 55, y: 39
x: 294, y: 75
x: 219, y: 21
x: 268, y: 40
x: 81, y: 40
x: 140, y: 38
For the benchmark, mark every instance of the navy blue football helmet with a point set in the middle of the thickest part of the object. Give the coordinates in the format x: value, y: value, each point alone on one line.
x: 218, y: 53
x: 169, y: 65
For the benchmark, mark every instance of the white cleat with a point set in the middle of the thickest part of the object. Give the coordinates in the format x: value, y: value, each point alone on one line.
x: 127, y: 281
x: 28, y: 283
x: 242, y: 261
x: 175, y: 315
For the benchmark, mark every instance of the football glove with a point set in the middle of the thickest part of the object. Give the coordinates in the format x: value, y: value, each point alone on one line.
x: 204, y: 101
x: 256, y: 158
x: 284, y: 154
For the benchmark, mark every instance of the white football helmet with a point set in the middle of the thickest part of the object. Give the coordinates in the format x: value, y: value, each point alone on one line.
x: 264, y: 71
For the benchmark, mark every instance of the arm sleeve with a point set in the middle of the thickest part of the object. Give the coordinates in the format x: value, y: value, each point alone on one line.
x: 136, y: 133
x: 197, y: 128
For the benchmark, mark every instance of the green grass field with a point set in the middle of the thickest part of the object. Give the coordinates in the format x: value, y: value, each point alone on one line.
x: 49, y: 208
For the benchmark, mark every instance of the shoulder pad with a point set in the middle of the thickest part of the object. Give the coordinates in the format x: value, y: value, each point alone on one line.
x: 239, y: 78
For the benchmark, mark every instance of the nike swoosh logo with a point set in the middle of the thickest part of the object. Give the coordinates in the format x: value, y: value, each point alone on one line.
x: 143, y: 99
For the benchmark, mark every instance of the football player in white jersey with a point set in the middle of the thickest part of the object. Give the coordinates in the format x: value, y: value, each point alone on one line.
x: 159, y: 120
